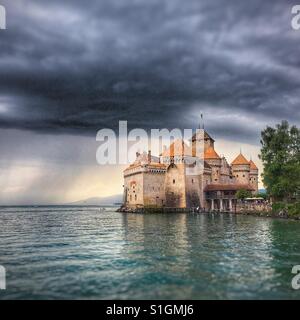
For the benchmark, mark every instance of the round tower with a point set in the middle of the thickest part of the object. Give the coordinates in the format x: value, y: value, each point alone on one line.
x: 241, y: 170
x: 253, y: 176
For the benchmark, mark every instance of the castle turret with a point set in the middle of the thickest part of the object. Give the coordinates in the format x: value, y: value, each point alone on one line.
x: 215, y: 162
x: 202, y: 137
x: 241, y: 169
x: 253, y: 176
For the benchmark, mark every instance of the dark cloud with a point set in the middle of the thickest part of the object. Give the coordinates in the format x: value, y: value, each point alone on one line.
x: 77, y: 66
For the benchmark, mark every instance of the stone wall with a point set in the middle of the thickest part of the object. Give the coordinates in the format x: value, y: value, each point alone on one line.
x: 241, y: 173
x: 154, y: 189
x: 175, y: 186
x: 133, y: 186
x: 253, y: 179
x: 193, y: 190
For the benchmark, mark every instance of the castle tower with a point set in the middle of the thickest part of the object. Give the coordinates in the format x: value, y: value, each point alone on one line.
x: 215, y: 162
x: 253, y: 177
x: 225, y: 171
x: 181, y: 189
x: 203, y: 137
x: 241, y: 169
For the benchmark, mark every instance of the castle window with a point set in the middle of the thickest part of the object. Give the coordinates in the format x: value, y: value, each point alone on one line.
x: 192, y: 180
x: 237, y: 175
x: 243, y: 175
x: 130, y: 197
x: 173, y: 181
x: 135, y: 197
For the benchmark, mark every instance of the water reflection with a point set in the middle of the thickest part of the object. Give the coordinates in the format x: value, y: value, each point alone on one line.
x: 214, y: 256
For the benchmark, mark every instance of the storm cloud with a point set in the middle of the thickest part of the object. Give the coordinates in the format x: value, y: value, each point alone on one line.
x: 77, y: 66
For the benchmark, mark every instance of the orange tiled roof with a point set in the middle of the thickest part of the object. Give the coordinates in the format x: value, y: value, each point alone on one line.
x: 240, y: 159
x: 210, y: 153
x: 178, y: 148
x: 252, y: 165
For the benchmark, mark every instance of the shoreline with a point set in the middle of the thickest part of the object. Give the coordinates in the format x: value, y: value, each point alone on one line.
x: 260, y: 214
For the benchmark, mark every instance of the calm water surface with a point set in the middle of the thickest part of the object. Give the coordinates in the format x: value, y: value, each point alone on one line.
x: 81, y: 252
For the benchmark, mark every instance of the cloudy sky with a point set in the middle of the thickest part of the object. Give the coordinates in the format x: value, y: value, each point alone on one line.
x: 69, y: 68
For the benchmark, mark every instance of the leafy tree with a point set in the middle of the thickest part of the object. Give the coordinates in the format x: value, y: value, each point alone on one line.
x: 280, y: 154
x: 243, y: 194
x: 261, y: 195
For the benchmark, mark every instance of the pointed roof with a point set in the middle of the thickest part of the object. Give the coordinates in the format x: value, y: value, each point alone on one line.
x: 240, y: 159
x: 206, y: 136
x: 252, y: 165
x: 210, y: 153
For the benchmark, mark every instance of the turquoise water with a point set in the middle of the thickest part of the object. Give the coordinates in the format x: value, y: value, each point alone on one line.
x: 81, y: 252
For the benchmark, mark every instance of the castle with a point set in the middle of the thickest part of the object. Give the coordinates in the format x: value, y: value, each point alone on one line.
x: 164, y: 182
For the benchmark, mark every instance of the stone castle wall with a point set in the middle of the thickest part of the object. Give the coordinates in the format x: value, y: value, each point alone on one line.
x: 154, y: 189
x: 175, y: 186
x: 241, y: 173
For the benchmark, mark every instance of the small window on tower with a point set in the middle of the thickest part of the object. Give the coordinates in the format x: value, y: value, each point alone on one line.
x: 173, y: 181
x: 192, y: 180
x: 135, y: 197
x: 243, y: 176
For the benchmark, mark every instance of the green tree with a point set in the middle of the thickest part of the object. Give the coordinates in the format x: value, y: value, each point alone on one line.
x: 243, y: 194
x: 261, y: 195
x: 280, y: 154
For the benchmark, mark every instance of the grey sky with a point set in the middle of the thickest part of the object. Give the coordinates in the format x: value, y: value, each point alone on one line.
x: 70, y: 68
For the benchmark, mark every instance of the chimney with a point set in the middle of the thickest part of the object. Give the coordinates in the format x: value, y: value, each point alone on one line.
x: 149, y: 156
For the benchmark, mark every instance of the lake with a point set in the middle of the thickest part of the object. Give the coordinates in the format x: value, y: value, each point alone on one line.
x: 84, y: 253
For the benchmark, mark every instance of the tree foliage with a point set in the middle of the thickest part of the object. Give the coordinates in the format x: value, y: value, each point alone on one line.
x: 280, y: 154
x: 243, y: 194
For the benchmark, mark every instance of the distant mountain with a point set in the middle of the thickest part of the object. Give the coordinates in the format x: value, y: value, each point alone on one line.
x: 99, y: 201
